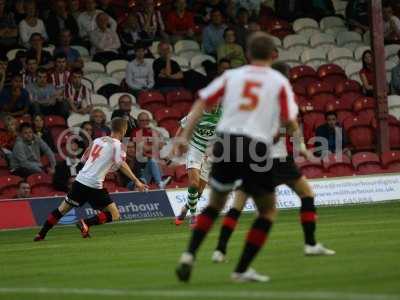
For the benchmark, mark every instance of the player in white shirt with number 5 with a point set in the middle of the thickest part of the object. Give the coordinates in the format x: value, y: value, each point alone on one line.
x: 104, y: 155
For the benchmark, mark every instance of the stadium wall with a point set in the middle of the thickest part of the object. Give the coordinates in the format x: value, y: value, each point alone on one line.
x: 166, y: 204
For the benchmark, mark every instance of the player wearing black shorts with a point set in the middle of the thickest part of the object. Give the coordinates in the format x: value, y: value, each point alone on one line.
x: 103, y: 155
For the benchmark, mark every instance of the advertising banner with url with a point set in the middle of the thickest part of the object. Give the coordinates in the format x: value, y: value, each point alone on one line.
x: 34, y: 211
x: 329, y: 192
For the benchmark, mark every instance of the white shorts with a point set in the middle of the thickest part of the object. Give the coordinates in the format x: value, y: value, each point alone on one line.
x: 195, y: 159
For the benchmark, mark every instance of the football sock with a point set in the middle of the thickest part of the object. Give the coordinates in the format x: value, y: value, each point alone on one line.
x: 256, y: 238
x: 308, y: 218
x: 228, y: 226
x: 101, y: 218
x: 193, y: 196
x: 52, y: 220
x: 203, y: 225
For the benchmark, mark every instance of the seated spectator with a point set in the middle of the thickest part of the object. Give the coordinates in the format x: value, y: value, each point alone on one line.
x: 151, y: 20
x: 105, y: 41
x: 67, y: 168
x: 330, y: 137
x: 367, y: 73
x: 24, y: 190
x: 230, y: 50
x: 59, y: 77
x: 74, y: 8
x: 391, y: 25
x: 27, y: 151
x: 124, y: 111
x: 14, y: 99
x: 79, y: 97
x: 8, y: 137
x: 253, y: 6
x: 31, y: 24
x: 167, y: 73
x: 29, y: 73
x: 86, y: 136
x: 19, y: 11
x: 8, y: 29
x: 139, y: 72
x: 242, y: 27
x: 43, y: 132
x: 98, y: 120
x: 46, y: 100
x: 254, y: 26
x: 107, y: 7
x: 290, y: 10
x: 204, y: 12
x: 18, y: 64
x: 147, y: 170
x: 357, y: 15
x: 213, y: 34
x: 87, y: 20
x: 43, y: 57
x: 60, y: 19
x: 321, y: 8
x: 73, y: 56
x: 180, y: 22
x: 3, y: 70
x: 131, y: 34
x: 395, y: 82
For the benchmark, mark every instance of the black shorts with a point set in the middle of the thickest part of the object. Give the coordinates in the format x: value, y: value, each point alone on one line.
x: 285, y: 170
x: 243, y: 163
x: 80, y: 194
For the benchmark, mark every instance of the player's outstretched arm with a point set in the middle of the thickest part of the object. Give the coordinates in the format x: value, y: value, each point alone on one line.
x: 126, y: 170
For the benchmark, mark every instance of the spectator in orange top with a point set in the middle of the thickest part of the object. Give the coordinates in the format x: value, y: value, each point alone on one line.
x: 180, y: 22
x: 367, y: 73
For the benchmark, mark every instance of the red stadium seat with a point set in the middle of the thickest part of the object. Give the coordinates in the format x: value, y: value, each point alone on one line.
x: 350, y: 97
x: 24, y: 119
x: 55, y: 121
x: 151, y: 100
x: 9, y: 183
x: 39, y: 179
x: 347, y: 86
x: 313, y: 119
x: 181, y: 173
x: 365, y: 106
x: 319, y: 101
x: 183, y: 107
x: 9, y: 193
x: 338, y: 165
x: 366, y: 163
x: 391, y: 161
x: 301, y: 72
x: 177, y: 96
x: 4, y: 171
x: 331, y: 74
x: 164, y: 114
x: 343, y: 109
x: 343, y: 115
x: 168, y: 171
x: 319, y: 87
x: 45, y: 161
x: 394, y: 133
x: 110, y: 185
x: 360, y: 132
x: 172, y: 127
x: 312, y: 169
x: 305, y: 106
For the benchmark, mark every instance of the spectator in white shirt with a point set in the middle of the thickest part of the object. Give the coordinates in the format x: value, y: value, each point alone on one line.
x: 31, y: 24
x: 105, y: 41
x: 391, y: 25
x: 139, y: 72
x: 87, y: 20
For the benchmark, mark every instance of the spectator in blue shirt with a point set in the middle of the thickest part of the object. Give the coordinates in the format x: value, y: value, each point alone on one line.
x: 213, y: 34
x: 14, y: 99
x: 73, y: 56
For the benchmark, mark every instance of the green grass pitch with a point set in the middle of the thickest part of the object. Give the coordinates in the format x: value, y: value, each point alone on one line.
x: 137, y: 261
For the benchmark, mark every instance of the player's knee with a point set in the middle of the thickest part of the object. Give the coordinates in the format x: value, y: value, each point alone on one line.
x: 269, y: 213
x: 302, y: 188
x: 115, y: 215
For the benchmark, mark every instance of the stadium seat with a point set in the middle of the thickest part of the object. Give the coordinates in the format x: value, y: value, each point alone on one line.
x: 314, y: 57
x: 359, y: 51
x: 197, y: 61
x: 340, y: 56
x: 93, y: 67
x: 181, y: 173
x: 8, y: 183
x: 13, y: 52
x: 180, y: 95
x: 366, y: 163
x: 183, y: 62
x: 393, y: 101
x: 84, y: 52
x: 304, y: 23
x: 353, y: 70
x: 276, y: 27
x: 188, y: 55
x: 4, y: 171
x: 305, y: 106
x: 151, y: 100
x: 319, y: 87
x: 340, y: 7
x: 103, y: 81
x: 365, y: 106
x: 331, y: 74
x: 39, y: 179
x: 119, y: 75
x: 391, y: 51
x: 113, y: 101
x: 54, y: 121
x: 391, y: 161
x: 339, y: 105
x: 338, y: 165
x: 166, y: 114
x: 301, y: 72
x: 346, y: 86
x: 331, y: 22
x: 186, y: 45
x: 295, y: 42
x: 99, y: 100
x: 394, y: 133
x: 309, y: 32
x: 322, y: 40
x: 349, y: 39
x: 116, y: 65
x: 313, y: 119
x: 183, y: 107
x: 290, y: 57
x: 77, y: 119
x: 334, y: 31
x: 360, y: 132
x: 311, y: 169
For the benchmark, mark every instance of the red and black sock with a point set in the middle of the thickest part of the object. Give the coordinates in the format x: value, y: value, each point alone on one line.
x: 52, y: 220
x: 308, y: 218
x: 228, y: 226
x: 256, y: 238
x: 101, y: 218
x: 203, y: 225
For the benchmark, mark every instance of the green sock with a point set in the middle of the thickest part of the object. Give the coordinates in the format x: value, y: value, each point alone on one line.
x: 192, y: 199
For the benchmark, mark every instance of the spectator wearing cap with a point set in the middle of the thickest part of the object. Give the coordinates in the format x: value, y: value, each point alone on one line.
x: 8, y: 28
x: 180, y: 22
x: 59, y: 76
x: 43, y: 57
x: 231, y: 50
x: 124, y: 110
x: 24, y: 190
x: 395, y: 82
x: 105, y: 41
x: 14, y: 99
x: 26, y: 156
x: 46, y: 100
x: 31, y: 24
x: 79, y: 97
x: 151, y: 20
x: 213, y: 34
x: 139, y: 72
x: 73, y: 56
x: 131, y: 34
x: 60, y: 19
x: 167, y: 73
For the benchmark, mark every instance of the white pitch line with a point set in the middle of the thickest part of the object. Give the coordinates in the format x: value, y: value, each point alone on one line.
x: 207, y: 294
